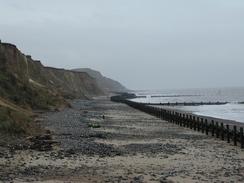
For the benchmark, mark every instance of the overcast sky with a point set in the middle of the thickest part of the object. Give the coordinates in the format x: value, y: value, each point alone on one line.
x: 145, y: 44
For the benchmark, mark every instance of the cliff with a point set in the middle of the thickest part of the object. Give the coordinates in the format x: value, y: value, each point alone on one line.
x: 25, y: 84
x: 68, y: 83
x: 21, y: 77
x: 108, y: 85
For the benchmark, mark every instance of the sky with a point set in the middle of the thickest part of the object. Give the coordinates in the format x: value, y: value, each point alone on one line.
x: 144, y: 44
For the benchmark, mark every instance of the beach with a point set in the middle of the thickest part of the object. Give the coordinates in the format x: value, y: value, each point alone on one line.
x: 102, y: 141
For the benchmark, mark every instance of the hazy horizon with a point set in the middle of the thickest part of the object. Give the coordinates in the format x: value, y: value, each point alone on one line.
x: 142, y: 44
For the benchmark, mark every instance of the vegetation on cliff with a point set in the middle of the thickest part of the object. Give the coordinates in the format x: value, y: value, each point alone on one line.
x: 14, y: 119
x: 27, y: 85
x: 106, y: 84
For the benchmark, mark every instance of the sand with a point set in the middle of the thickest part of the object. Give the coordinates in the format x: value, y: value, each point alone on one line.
x: 127, y: 146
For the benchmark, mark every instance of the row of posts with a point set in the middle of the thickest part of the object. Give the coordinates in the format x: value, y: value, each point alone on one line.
x: 220, y: 130
x: 188, y: 103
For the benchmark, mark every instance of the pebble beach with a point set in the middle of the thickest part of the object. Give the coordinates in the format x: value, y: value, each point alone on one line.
x: 102, y: 141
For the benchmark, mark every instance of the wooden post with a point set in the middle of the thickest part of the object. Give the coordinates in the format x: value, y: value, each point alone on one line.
x: 198, y: 124
x: 222, y: 132
x: 168, y: 116
x: 184, y: 120
x: 202, y: 125
x: 206, y: 126
x: 241, y: 137
x: 213, y: 127
x: 228, y: 133
x: 235, y: 136
x: 173, y: 116
x: 194, y: 123
x: 217, y: 129
x: 176, y: 118
x: 187, y: 121
x: 180, y: 120
x: 190, y: 121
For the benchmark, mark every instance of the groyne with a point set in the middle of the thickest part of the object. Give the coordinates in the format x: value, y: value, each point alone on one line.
x: 220, y: 129
x: 187, y: 103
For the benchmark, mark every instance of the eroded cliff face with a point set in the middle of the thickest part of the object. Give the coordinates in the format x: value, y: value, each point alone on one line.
x: 14, y: 81
x: 106, y: 84
x: 27, y: 82
x: 68, y: 83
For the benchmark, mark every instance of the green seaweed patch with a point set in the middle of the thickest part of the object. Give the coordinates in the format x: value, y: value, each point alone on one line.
x: 94, y: 125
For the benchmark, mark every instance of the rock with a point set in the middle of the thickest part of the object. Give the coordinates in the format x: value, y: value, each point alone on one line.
x: 70, y: 151
x: 165, y: 180
x: 42, y: 142
x: 138, y: 179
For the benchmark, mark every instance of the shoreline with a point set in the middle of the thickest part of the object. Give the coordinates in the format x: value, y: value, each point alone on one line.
x: 125, y: 145
x: 174, y: 108
x: 219, y: 95
x: 225, y: 121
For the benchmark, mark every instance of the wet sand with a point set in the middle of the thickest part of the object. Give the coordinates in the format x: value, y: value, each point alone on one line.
x: 124, y: 146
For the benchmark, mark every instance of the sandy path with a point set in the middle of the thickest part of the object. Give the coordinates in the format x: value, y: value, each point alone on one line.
x: 126, y: 146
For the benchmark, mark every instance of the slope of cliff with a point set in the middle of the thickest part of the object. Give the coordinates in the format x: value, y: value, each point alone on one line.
x: 15, y: 81
x: 107, y: 84
x: 14, y: 119
x: 25, y: 84
x: 68, y: 83
x: 24, y: 80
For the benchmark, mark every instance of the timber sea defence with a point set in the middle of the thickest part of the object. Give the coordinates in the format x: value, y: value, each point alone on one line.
x: 230, y: 131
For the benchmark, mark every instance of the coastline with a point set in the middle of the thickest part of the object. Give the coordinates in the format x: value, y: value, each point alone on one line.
x: 125, y: 146
x: 224, y: 104
x: 209, y: 118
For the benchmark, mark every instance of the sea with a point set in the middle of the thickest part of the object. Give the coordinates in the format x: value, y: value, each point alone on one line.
x: 234, y: 96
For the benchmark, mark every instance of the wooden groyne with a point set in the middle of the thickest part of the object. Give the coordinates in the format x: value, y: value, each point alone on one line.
x: 187, y: 103
x: 222, y: 130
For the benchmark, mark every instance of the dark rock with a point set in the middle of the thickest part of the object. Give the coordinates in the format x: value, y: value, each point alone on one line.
x: 138, y: 179
x: 165, y: 180
x: 42, y: 142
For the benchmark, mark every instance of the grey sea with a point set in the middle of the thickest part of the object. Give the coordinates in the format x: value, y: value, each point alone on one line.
x: 233, y: 110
